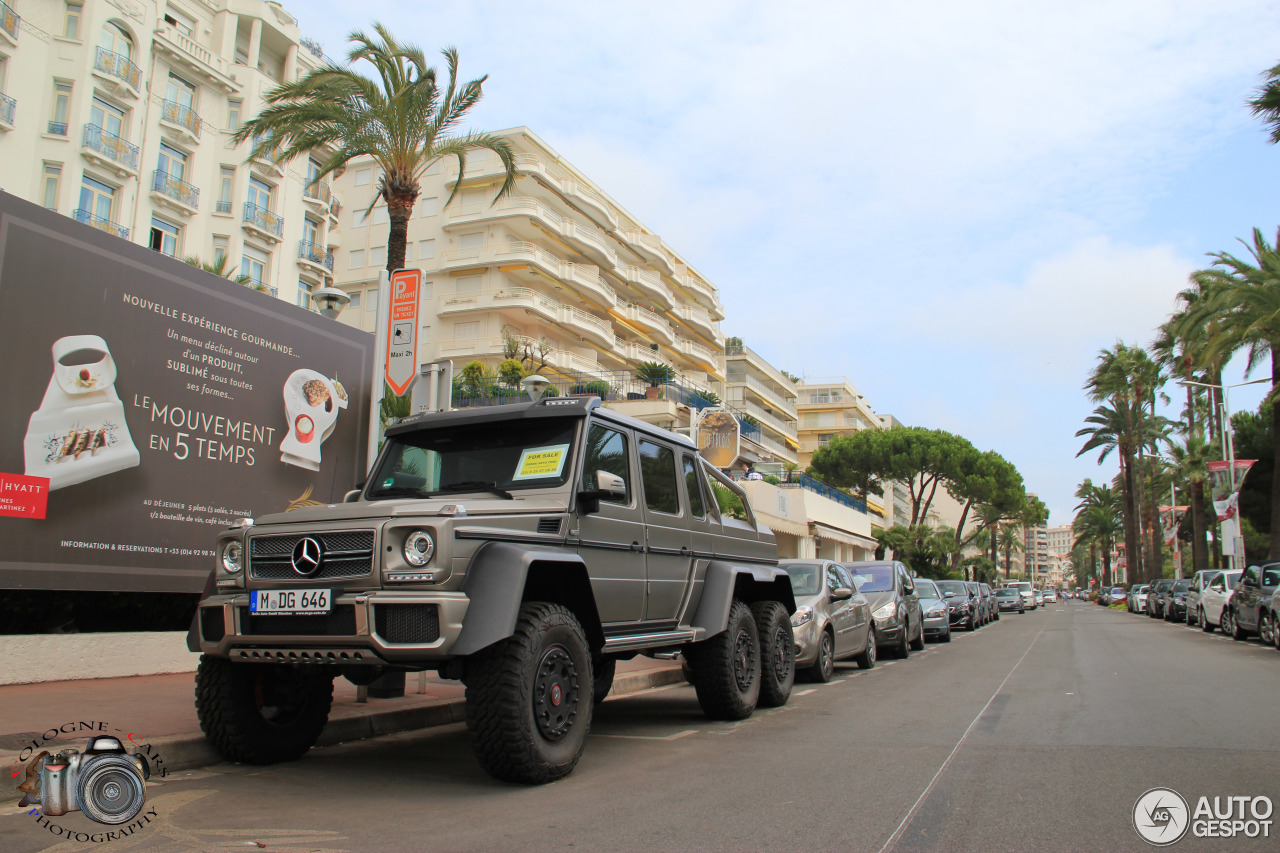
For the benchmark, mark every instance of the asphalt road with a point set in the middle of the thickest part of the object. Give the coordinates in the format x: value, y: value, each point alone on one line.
x: 1037, y: 733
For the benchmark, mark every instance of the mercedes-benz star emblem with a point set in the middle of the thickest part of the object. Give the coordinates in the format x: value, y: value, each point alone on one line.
x: 307, y: 556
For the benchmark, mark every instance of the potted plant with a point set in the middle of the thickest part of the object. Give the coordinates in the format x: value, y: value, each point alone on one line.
x: 655, y: 373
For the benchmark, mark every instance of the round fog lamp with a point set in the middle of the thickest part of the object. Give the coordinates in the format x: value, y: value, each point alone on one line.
x: 233, y: 557
x: 418, y: 548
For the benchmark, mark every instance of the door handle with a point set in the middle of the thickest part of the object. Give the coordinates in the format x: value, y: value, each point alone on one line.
x: 636, y: 546
x: 685, y: 552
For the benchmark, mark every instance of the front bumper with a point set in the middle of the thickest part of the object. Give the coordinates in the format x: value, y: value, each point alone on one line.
x: 936, y: 626
x: 806, y: 637
x: 373, y: 627
x: 960, y: 618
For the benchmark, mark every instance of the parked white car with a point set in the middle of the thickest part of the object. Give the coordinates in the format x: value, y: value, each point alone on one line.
x: 1199, y: 581
x: 1214, y: 597
x: 1024, y: 588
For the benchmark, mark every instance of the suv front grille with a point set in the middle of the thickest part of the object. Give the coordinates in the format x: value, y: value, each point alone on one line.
x: 339, y: 622
x: 407, y: 623
x: 347, y: 554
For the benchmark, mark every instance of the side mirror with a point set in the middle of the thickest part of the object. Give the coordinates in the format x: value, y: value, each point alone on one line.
x: 841, y: 594
x: 608, y: 487
x: 351, y: 496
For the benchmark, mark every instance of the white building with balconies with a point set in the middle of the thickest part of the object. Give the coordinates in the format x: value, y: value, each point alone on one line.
x: 120, y: 113
x: 557, y: 272
x: 756, y: 388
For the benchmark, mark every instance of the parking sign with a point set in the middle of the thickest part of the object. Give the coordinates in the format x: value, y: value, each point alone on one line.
x: 402, y: 331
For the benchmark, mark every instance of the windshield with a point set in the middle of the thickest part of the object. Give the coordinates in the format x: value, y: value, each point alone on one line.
x: 953, y: 588
x: 805, y: 578
x: 1021, y: 586
x: 1182, y: 586
x: 1006, y: 593
x: 489, y: 457
x: 926, y: 589
x: 873, y: 578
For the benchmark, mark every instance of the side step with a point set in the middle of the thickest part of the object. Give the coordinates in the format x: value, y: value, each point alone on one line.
x: 645, y: 641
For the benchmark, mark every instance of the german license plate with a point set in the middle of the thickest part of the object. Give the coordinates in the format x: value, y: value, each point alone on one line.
x: 279, y: 602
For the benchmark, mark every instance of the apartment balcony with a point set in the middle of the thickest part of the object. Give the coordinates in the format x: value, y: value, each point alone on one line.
x: 57, y: 128
x: 109, y: 150
x: 771, y: 419
x: 738, y: 351
x: 590, y: 242
x: 649, y: 283
x: 313, y: 256
x: 180, y: 120
x: 646, y: 322
x: 588, y: 278
x: 588, y: 325
x: 649, y: 247
x: 101, y: 224
x: 269, y: 160
x: 8, y: 112
x: 9, y: 21
x: 508, y: 208
x: 580, y: 277
x: 766, y: 392
x: 194, y: 60
x: 698, y: 319
x: 779, y: 449
x: 538, y: 305
x: 318, y: 195
x: 118, y: 72
x: 700, y: 290
x: 697, y: 354
x: 263, y: 222
x: 577, y: 194
x: 174, y: 193
x: 635, y: 353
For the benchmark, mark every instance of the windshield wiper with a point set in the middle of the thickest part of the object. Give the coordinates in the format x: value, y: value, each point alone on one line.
x: 396, y: 492
x: 474, y: 486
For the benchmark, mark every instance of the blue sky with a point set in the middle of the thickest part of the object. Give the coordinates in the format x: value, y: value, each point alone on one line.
x: 956, y: 205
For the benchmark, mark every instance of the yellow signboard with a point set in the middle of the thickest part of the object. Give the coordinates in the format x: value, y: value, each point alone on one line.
x: 540, y: 462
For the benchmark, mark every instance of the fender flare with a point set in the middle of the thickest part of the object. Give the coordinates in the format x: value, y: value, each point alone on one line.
x: 495, y: 585
x: 752, y: 583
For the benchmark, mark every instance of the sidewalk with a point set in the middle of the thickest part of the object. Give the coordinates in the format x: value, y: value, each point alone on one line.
x: 160, y: 709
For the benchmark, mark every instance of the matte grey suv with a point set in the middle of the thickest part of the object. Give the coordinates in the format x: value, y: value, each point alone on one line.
x: 894, y: 605
x: 523, y: 549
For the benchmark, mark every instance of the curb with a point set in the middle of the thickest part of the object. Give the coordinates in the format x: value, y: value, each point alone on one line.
x: 189, y: 751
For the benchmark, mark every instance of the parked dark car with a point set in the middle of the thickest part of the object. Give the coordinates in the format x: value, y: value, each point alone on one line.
x: 1155, y: 597
x: 1010, y: 600
x: 891, y: 593
x: 976, y: 592
x: 962, y: 605
x: 1175, y: 601
x: 933, y: 604
x: 1251, y: 606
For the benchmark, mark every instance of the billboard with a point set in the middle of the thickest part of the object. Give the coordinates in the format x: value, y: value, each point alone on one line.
x: 148, y: 404
x: 719, y: 437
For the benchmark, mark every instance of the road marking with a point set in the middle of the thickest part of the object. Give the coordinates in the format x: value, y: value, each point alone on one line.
x: 897, y: 833
x: 807, y: 692
x: 652, y: 737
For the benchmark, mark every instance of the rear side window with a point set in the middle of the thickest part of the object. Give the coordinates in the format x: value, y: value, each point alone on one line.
x: 692, y: 485
x: 1270, y: 576
x: 606, y: 451
x: 658, y: 473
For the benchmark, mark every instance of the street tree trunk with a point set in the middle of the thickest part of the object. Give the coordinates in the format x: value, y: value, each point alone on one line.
x: 399, y: 209
x: 1132, y: 545
x: 1275, y: 476
x: 1199, y: 549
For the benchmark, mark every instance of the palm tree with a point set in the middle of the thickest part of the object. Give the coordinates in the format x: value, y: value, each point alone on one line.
x: 1097, y: 524
x: 1246, y: 299
x: 404, y: 121
x: 1010, y: 541
x: 1266, y: 103
x: 222, y: 268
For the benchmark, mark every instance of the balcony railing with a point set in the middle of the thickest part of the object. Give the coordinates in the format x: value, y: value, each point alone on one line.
x: 319, y: 191
x: 111, y: 146
x: 8, y: 109
x: 101, y: 224
x: 9, y: 20
x: 315, y: 254
x: 182, y: 115
x: 178, y: 190
x: 58, y: 128
x: 263, y: 219
x: 118, y: 66
x: 222, y: 206
x: 609, y: 386
x: 804, y: 481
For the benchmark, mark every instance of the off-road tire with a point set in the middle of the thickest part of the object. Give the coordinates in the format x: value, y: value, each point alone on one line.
x: 529, y: 697
x: 726, y: 668
x: 917, y: 645
x: 232, y: 704
x: 602, y: 672
x: 867, y: 659
x: 824, y: 665
x: 777, y: 653
x: 686, y: 668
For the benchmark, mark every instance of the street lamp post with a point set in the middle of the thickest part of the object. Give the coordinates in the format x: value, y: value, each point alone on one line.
x: 1224, y: 421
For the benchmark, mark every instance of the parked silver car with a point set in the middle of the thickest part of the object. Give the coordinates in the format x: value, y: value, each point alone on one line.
x: 888, y: 586
x: 832, y: 619
x: 933, y: 604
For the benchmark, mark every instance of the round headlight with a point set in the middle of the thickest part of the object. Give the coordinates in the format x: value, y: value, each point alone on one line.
x: 418, y: 548
x: 233, y: 557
